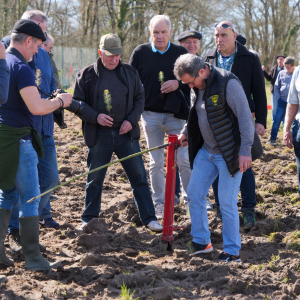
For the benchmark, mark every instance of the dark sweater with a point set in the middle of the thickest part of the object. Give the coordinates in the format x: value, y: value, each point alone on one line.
x: 149, y: 64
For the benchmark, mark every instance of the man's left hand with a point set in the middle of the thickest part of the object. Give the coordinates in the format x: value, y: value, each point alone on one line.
x: 245, y: 162
x: 169, y: 86
x: 126, y: 126
x: 288, y: 139
x: 260, y: 129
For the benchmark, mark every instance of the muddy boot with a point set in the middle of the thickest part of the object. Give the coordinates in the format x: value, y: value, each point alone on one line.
x: 4, y: 219
x: 29, y: 232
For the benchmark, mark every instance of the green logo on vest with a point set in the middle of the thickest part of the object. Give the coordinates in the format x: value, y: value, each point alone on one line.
x: 215, y: 99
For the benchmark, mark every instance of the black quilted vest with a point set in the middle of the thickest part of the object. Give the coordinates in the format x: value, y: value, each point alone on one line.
x: 221, y: 118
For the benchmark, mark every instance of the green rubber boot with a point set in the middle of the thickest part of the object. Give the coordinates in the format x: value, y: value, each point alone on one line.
x: 29, y: 232
x: 4, y: 219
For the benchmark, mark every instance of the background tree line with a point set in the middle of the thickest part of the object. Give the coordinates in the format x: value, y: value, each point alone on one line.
x: 270, y: 26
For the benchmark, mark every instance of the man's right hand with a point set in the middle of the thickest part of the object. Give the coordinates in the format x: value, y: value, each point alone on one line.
x: 288, y: 139
x: 66, y: 98
x: 105, y: 120
x: 183, y: 140
x: 2, y: 51
x: 263, y: 67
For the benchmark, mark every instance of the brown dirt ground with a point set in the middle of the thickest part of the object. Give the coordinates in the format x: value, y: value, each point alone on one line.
x: 117, y: 249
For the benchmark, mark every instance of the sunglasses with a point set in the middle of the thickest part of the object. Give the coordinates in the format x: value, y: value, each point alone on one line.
x: 225, y: 26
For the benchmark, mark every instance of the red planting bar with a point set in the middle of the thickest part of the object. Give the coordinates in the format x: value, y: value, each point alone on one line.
x: 167, y: 235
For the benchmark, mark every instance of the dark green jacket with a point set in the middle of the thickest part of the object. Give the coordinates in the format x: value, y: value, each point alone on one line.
x: 10, y: 152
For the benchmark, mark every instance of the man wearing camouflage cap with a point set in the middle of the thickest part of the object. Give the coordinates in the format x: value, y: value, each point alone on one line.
x: 109, y: 98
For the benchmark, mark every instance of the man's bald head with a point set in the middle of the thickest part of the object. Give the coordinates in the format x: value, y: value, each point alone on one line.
x: 225, y: 36
x: 228, y: 23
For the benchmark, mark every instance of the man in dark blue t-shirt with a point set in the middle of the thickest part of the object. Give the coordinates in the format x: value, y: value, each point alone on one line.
x: 47, y: 167
x: 21, y: 144
x: 4, y: 76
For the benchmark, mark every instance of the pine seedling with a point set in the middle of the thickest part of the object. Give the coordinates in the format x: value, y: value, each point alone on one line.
x: 38, y: 77
x: 161, y: 77
x: 107, y: 100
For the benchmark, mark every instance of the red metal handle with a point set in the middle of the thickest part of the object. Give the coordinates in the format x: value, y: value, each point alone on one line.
x: 167, y: 235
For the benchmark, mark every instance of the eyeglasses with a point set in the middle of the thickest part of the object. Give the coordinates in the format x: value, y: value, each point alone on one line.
x: 225, y: 26
x: 40, y: 45
x: 193, y: 83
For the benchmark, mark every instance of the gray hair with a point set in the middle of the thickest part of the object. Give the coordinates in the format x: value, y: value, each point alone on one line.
x: 35, y: 14
x: 188, y: 64
x: 49, y: 37
x: 158, y: 18
x: 18, y: 38
x: 289, y: 60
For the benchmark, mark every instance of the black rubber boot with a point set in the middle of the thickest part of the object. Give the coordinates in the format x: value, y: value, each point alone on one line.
x: 29, y: 232
x: 4, y: 219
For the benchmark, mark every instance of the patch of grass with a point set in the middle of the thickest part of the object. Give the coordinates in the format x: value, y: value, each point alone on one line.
x: 285, y: 280
x: 126, y: 271
x: 142, y: 253
x: 74, y: 148
x: 125, y: 293
x: 287, y: 150
x: 63, y: 232
x: 293, y: 240
x: 266, y: 297
x: 256, y: 267
x: 292, y: 167
x: 271, y: 237
x: 277, y: 223
x: 80, y: 133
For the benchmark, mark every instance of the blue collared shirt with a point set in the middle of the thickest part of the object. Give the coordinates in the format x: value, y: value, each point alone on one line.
x: 44, y: 124
x: 225, y: 63
x: 156, y: 50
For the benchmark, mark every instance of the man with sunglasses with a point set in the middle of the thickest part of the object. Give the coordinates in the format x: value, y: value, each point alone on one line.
x: 220, y: 132
x: 40, y: 63
x: 234, y: 57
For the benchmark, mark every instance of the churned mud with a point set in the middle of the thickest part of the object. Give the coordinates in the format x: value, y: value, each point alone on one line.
x: 116, y: 250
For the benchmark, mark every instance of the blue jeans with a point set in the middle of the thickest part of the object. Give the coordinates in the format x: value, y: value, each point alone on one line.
x: 206, y: 168
x: 280, y: 113
x: 274, y: 107
x: 48, y: 178
x: 26, y: 183
x: 107, y: 142
x: 247, y: 190
x: 156, y: 126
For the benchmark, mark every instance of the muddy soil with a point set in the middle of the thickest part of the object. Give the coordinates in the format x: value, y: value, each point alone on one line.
x: 116, y: 250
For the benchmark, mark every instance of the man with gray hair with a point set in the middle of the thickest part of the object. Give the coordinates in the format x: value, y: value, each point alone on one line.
x: 281, y: 92
x: 48, y: 46
x: 220, y: 133
x: 165, y: 110
x: 47, y: 167
x: 109, y: 98
x: 34, y: 15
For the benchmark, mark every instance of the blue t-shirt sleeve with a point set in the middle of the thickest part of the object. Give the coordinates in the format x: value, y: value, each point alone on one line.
x: 25, y: 77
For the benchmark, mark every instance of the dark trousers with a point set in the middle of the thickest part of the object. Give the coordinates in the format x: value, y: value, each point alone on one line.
x: 296, y: 138
x: 107, y: 142
x: 247, y: 190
